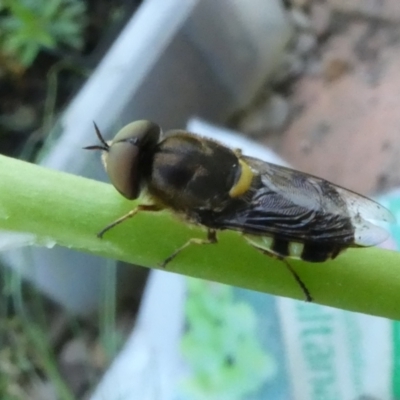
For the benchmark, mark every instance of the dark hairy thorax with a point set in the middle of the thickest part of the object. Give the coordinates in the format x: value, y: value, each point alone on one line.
x: 191, y: 173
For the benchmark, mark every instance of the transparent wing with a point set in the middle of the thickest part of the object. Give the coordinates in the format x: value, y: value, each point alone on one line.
x: 299, y: 206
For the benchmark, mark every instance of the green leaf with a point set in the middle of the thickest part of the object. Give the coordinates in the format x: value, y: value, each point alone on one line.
x: 28, y: 54
x: 31, y: 25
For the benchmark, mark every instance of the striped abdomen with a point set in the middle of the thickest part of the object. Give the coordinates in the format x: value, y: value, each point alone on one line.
x: 281, y: 248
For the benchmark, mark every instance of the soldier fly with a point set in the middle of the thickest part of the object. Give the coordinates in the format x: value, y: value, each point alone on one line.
x: 282, y: 212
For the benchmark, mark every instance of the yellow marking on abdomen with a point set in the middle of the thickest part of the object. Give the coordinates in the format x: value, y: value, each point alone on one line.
x: 295, y: 249
x: 261, y: 242
x: 244, y: 182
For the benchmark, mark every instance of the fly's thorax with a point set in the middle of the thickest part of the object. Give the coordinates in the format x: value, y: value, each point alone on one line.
x: 190, y: 172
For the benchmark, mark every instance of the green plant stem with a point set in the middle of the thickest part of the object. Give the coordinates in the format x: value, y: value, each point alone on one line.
x: 67, y: 210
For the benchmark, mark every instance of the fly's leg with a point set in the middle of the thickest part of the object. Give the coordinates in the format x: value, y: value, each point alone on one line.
x: 130, y: 214
x: 211, y: 238
x: 295, y: 275
x: 298, y: 280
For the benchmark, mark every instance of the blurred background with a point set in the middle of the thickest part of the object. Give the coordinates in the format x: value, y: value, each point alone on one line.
x: 311, y: 83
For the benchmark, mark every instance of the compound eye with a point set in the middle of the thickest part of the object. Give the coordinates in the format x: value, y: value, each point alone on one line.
x: 124, y: 155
